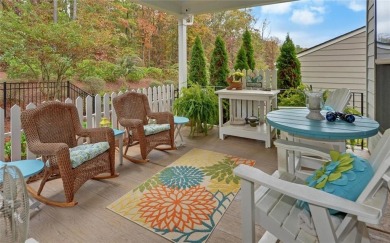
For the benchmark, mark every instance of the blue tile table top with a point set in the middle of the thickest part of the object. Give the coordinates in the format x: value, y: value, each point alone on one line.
x: 118, y: 132
x: 27, y: 167
x: 180, y: 120
x: 294, y: 122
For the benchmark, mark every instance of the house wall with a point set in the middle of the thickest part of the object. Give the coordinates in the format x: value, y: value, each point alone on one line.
x: 371, y: 58
x: 338, y: 64
x: 371, y: 68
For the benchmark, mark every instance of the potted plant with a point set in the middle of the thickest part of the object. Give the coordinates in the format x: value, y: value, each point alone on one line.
x: 200, y: 105
x: 238, y: 76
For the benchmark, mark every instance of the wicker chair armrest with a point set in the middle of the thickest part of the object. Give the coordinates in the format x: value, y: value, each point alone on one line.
x: 99, y: 134
x: 162, y: 117
x: 46, y: 149
x: 130, y: 123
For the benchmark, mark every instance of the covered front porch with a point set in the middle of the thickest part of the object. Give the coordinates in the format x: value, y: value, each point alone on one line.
x: 90, y: 221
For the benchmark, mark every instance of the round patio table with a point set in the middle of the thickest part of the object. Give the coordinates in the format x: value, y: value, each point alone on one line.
x: 27, y: 167
x: 294, y: 122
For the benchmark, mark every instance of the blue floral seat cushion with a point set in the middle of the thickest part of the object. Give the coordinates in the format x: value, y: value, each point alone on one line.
x: 346, y: 176
x: 85, y: 152
x: 155, y: 128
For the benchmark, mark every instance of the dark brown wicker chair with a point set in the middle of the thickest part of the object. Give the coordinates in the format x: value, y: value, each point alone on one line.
x: 133, y: 112
x: 51, y: 129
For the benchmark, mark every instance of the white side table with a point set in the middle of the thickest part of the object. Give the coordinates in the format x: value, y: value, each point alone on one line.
x: 245, y: 103
x: 179, y: 122
x: 119, y: 135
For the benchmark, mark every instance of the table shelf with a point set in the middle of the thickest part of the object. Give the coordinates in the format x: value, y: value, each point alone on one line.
x: 259, y: 132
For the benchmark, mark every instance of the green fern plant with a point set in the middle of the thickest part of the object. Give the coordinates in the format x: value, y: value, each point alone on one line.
x: 200, y: 105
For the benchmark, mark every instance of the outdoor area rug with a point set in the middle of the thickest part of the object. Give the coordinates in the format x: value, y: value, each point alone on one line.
x: 185, y: 201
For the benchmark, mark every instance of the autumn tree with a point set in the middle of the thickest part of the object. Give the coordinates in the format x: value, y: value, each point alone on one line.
x: 289, y: 67
x: 198, y: 71
x: 219, y: 69
x: 271, y: 51
x: 230, y: 25
x: 241, y: 60
x: 247, y: 45
x: 47, y: 51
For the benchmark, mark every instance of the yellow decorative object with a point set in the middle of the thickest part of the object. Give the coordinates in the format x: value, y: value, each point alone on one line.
x: 238, y: 76
x: 105, y: 122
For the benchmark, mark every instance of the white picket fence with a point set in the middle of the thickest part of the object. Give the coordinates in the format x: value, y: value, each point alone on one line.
x: 160, y: 99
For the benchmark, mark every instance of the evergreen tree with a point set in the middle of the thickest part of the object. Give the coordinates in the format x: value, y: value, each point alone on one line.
x: 198, y: 72
x: 219, y: 69
x: 247, y: 44
x: 241, y: 60
x: 289, y: 67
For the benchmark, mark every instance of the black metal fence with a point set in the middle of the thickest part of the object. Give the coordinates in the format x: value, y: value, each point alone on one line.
x: 358, y: 97
x: 22, y: 94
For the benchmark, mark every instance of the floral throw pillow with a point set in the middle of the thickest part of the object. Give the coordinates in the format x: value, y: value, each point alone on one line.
x: 346, y: 176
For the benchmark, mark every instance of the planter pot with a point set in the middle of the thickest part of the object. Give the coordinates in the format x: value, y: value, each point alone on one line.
x: 314, y: 102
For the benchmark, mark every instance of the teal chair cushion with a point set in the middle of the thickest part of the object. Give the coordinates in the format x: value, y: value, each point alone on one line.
x: 85, y: 152
x: 155, y: 128
x: 346, y: 176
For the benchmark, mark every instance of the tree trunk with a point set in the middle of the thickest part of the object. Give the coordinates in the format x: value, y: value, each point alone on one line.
x: 55, y: 9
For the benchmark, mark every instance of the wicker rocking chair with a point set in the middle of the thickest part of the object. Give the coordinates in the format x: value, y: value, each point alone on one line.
x: 133, y: 113
x: 51, y: 131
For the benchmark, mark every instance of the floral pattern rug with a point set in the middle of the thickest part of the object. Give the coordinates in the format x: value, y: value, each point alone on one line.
x: 185, y: 201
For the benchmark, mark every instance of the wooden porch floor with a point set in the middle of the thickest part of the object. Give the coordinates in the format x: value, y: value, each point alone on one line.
x: 90, y: 221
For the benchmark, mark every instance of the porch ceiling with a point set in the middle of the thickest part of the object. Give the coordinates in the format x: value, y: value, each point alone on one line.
x: 183, y: 7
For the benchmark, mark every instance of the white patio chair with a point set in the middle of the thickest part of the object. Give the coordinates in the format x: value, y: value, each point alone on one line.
x: 338, y: 99
x: 273, y: 204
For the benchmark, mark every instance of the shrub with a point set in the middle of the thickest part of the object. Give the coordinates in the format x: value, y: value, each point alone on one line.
x: 108, y: 71
x: 289, y: 67
x: 169, y: 82
x: 155, y: 83
x: 241, y: 60
x: 219, y: 69
x: 128, y: 63
x: 155, y: 73
x: 18, y: 70
x: 293, y: 97
x: 7, y: 148
x: 86, y: 68
x: 198, y: 71
x: 136, y: 74
x: 94, y: 85
x: 247, y: 44
x: 171, y: 73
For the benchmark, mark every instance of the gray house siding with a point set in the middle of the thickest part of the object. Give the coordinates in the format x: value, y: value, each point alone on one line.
x: 371, y: 58
x: 337, y: 63
x: 371, y: 68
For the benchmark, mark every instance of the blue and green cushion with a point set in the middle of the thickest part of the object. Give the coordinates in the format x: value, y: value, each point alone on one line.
x: 85, y: 152
x: 346, y: 176
x: 155, y: 128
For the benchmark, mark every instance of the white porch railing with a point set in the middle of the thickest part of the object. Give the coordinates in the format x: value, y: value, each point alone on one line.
x: 160, y: 99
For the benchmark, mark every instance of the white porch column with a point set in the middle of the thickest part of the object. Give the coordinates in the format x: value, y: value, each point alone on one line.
x: 182, y: 52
